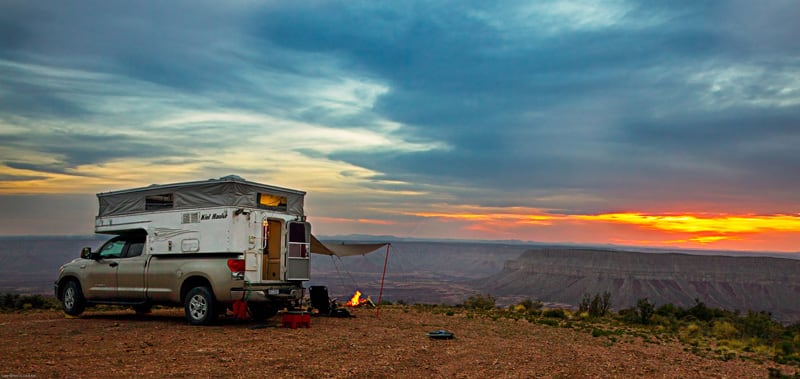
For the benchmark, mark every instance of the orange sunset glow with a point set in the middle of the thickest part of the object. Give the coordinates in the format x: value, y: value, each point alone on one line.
x: 680, y: 230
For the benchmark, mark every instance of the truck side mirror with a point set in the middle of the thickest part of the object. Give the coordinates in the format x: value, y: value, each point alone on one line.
x: 86, y: 253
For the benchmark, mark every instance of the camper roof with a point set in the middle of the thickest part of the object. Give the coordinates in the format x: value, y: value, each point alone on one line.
x: 229, y: 190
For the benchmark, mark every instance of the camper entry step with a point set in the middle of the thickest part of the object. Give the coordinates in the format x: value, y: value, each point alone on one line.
x: 295, y: 319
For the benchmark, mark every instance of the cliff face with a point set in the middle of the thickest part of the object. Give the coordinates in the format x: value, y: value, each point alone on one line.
x: 564, y: 275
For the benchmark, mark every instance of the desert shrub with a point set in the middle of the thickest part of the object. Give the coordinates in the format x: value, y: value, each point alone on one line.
x: 16, y: 302
x: 9, y: 301
x: 645, y: 310
x: 628, y: 315
x: 602, y: 332
x: 700, y: 311
x: 596, y: 306
x: 703, y: 313
x: 735, y: 344
x: 759, y: 325
x: 600, y: 304
x: 693, y: 330
x: 583, y: 306
x: 547, y: 321
x: 480, y: 302
x: 642, y: 313
x: 725, y: 330
x: 787, y: 347
x: 555, y: 313
x: 669, y: 310
x: 519, y: 308
x: 776, y: 373
x: 531, y: 305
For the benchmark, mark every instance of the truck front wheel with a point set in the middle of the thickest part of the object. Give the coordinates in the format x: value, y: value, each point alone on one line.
x: 72, y: 299
x: 199, y: 306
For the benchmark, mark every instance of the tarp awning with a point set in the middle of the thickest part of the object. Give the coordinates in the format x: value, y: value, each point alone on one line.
x: 343, y: 249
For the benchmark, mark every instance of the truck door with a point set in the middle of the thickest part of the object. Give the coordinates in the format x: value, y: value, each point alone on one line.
x: 101, y: 274
x: 131, y: 269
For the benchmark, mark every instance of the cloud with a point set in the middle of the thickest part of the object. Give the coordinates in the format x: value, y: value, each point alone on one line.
x: 569, y: 106
x: 620, y: 102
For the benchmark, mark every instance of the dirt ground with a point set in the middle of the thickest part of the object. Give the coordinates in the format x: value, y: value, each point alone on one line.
x: 120, y: 344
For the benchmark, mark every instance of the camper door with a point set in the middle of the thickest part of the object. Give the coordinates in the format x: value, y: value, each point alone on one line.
x: 298, y: 265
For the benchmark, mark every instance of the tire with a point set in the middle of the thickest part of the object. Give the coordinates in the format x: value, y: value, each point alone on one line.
x: 261, y: 312
x: 199, y: 306
x: 72, y: 300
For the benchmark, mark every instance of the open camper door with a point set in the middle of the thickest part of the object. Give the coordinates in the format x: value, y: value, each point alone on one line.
x: 281, y: 252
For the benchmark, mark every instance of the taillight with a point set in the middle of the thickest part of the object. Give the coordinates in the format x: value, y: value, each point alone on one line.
x: 237, y: 268
x: 236, y: 265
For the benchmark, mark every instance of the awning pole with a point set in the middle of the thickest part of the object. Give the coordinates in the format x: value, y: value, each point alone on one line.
x: 380, y: 294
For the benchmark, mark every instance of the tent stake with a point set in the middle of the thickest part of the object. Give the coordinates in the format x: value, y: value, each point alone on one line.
x: 380, y: 294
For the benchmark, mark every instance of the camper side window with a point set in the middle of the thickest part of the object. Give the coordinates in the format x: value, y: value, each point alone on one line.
x: 274, y: 202
x: 156, y: 202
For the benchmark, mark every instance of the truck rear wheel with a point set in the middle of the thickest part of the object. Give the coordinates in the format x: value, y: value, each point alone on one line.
x: 199, y: 306
x: 72, y: 299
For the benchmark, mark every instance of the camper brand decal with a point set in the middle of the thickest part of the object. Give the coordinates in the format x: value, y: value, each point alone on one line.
x: 214, y: 216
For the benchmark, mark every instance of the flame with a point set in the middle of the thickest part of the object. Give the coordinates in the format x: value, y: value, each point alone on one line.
x: 356, y: 300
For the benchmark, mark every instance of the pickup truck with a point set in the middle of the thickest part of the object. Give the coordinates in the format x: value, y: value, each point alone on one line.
x: 201, y: 245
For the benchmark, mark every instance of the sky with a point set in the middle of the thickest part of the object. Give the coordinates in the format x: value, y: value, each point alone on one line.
x: 647, y: 123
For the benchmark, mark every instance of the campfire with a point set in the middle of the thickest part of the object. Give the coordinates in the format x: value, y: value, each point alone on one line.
x: 357, y: 301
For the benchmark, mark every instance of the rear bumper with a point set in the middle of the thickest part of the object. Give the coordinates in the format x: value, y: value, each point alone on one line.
x: 269, y: 294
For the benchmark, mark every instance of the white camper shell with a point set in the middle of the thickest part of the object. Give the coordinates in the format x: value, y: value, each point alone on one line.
x: 265, y: 224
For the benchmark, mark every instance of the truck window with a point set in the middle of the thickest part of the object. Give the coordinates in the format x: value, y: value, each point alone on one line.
x: 136, y: 241
x: 135, y: 249
x: 113, y: 248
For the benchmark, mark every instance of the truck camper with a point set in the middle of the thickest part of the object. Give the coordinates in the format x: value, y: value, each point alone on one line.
x: 203, y: 245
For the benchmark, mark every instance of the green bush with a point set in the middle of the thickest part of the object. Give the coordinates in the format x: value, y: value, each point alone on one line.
x: 644, y: 311
x: 601, y: 332
x: 555, y: 313
x: 547, y: 321
x: 759, y: 325
x: 669, y: 310
x: 480, y: 302
x: 725, y: 330
x: 596, y: 306
x: 16, y: 302
x: 531, y: 305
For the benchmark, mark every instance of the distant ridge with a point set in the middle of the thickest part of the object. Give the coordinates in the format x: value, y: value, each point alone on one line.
x: 535, y: 244
x: 562, y: 274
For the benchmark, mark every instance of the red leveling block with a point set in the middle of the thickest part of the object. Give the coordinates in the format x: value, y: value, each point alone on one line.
x: 295, y: 319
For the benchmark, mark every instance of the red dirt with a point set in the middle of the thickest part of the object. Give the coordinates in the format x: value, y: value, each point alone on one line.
x: 161, y: 344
